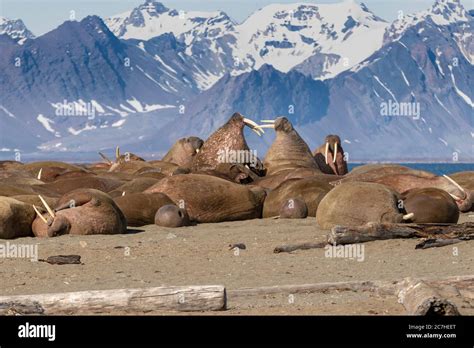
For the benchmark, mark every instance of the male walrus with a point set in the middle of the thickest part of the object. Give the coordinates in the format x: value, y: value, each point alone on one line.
x: 183, y: 151
x: 430, y: 205
x: 330, y: 156
x: 402, y: 179
x: 228, y: 145
x: 357, y: 203
x: 288, y: 151
x: 140, y: 208
x: 81, y: 212
x: 16, y: 218
x: 309, y: 190
x: 210, y: 199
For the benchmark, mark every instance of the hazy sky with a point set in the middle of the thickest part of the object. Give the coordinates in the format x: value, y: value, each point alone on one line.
x: 41, y: 16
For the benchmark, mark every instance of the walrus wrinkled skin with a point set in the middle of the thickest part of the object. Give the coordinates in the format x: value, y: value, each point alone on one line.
x: 140, y: 208
x: 82, y: 212
x: 16, y: 218
x: 402, y: 179
x: 357, y: 203
x: 330, y: 156
x: 171, y: 216
x: 430, y: 205
x: 293, y: 208
x: 211, y: 199
x: 229, y: 137
x: 310, y: 190
x: 183, y: 151
x: 288, y: 151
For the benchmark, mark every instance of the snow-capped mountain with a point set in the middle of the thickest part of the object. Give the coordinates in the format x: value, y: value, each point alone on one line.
x: 282, y: 35
x: 426, y: 69
x: 330, y: 68
x: 15, y: 29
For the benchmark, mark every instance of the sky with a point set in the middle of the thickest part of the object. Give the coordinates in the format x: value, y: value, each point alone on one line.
x: 41, y: 16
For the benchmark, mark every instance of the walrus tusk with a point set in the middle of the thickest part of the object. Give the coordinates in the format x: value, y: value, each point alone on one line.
x: 39, y: 173
x: 50, y: 211
x: 253, y: 125
x: 123, y: 193
x: 326, y: 152
x: 335, y: 153
x: 408, y: 216
x: 267, y: 126
x: 197, y: 150
x: 41, y: 216
x: 456, y: 198
x: 267, y: 121
x: 456, y: 184
x: 106, y: 159
x: 256, y: 131
x: 117, y: 153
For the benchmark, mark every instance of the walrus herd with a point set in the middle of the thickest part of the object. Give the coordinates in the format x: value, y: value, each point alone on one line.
x: 221, y: 179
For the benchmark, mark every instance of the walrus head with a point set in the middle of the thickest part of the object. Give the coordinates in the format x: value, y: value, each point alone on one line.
x: 50, y: 224
x: 183, y: 151
x: 334, y: 155
x: 289, y: 150
x: 226, y: 143
x: 464, y: 198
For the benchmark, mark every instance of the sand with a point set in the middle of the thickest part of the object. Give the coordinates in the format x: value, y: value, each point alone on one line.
x: 199, y: 255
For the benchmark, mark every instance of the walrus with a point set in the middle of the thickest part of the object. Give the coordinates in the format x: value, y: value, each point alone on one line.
x: 402, y: 179
x: 430, y: 205
x: 47, y: 171
x: 137, y: 185
x: 288, y: 151
x: 210, y: 199
x: 309, y: 190
x: 357, y: 203
x: 171, y: 216
x: 293, y: 208
x: 183, y: 151
x: 80, y: 212
x: 16, y: 218
x: 140, y: 208
x: 66, y: 185
x: 228, y: 145
x: 330, y: 156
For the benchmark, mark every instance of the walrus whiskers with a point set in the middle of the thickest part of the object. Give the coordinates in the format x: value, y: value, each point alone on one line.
x: 50, y: 211
x: 326, y: 152
x: 41, y: 216
x: 456, y: 184
x: 39, y: 174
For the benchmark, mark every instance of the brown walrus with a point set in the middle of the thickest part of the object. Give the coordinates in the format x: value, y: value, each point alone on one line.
x: 137, y: 185
x: 357, y: 203
x: 402, y: 179
x: 430, y: 205
x: 309, y: 190
x: 81, y: 212
x: 183, y: 151
x: 228, y: 145
x: 48, y: 170
x: 140, y: 208
x: 16, y: 218
x: 67, y: 185
x: 288, y: 151
x: 330, y: 156
x: 210, y: 199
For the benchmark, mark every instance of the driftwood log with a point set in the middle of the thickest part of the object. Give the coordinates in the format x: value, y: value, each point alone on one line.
x: 302, y: 246
x: 380, y: 231
x: 419, y: 298
x: 185, y: 298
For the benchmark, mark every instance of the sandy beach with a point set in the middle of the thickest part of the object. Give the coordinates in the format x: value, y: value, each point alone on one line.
x: 153, y: 256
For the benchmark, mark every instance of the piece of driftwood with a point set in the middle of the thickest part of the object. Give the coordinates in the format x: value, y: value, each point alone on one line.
x: 288, y: 248
x: 179, y: 298
x: 419, y: 298
x: 436, y: 243
x: 63, y: 260
x: 380, y: 231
